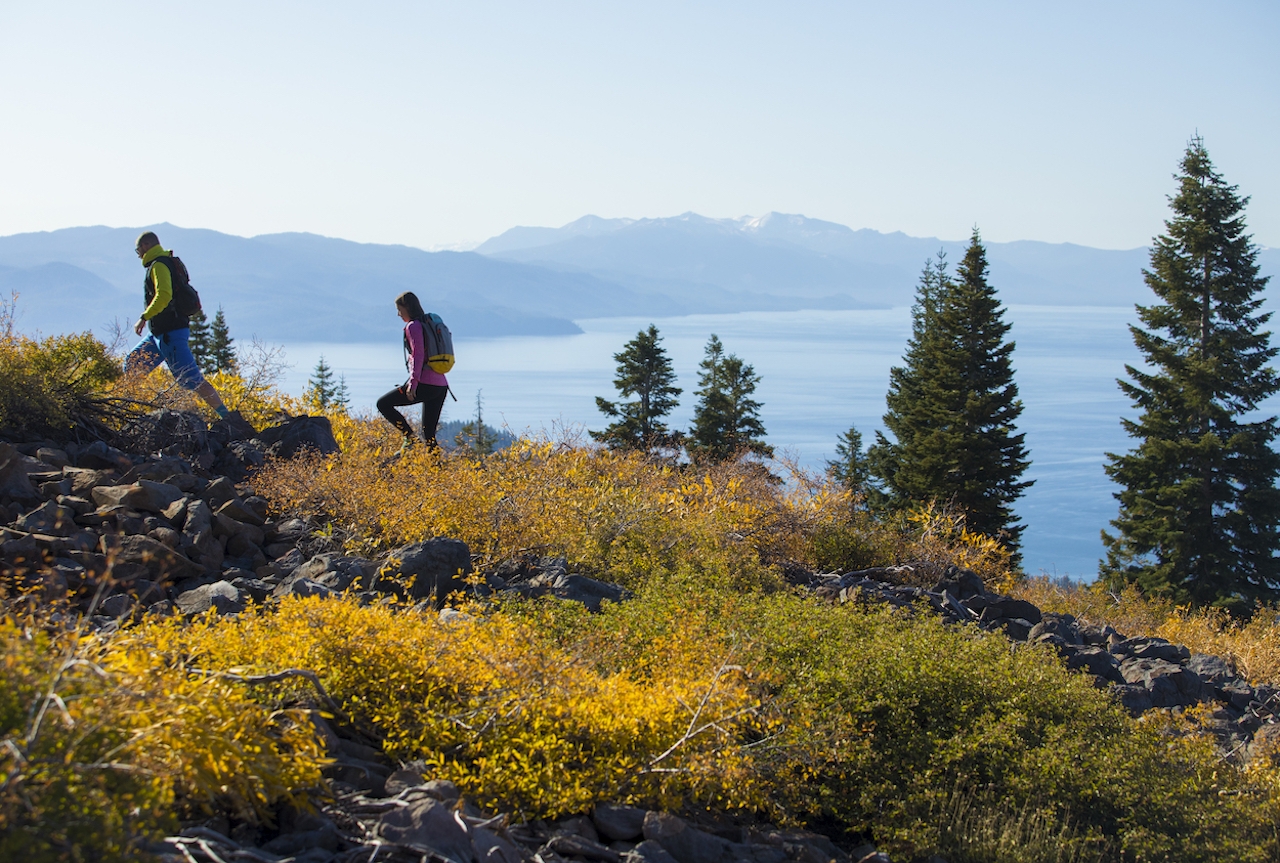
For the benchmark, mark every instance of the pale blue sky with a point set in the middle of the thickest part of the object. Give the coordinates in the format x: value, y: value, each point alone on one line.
x: 433, y: 124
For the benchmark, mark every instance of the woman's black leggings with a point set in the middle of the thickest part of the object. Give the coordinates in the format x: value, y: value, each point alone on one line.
x: 432, y: 399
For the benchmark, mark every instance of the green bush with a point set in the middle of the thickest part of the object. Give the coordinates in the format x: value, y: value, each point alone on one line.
x: 48, y: 385
x: 888, y: 720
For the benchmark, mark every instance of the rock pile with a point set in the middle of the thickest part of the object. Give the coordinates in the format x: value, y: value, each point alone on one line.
x: 1142, y: 673
x: 178, y: 530
x: 425, y: 820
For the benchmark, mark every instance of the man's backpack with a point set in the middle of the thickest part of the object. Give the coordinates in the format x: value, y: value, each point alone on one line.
x: 186, y: 301
x: 439, y: 343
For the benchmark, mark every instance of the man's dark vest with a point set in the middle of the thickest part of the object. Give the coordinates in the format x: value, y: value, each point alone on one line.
x: 168, y: 319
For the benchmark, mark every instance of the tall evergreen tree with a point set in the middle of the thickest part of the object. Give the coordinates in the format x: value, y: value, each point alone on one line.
x: 222, y: 353
x: 953, y: 407
x: 726, y: 420
x: 1199, y: 506
x: 644, y: 370
x: 321, y: 387
x: 198, y: 341
x: 850, y: 468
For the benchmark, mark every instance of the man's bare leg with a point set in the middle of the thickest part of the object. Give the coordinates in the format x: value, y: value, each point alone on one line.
x: 211, y: 398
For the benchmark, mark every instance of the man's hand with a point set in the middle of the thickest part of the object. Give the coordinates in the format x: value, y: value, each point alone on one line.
x: 140, y: 326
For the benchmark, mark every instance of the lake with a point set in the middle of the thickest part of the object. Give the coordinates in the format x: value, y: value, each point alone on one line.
x: 821, y: 371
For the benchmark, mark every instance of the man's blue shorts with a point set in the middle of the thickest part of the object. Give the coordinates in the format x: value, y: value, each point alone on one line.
x: 170, y: 348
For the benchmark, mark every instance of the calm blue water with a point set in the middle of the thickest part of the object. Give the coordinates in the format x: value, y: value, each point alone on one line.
x: 821, y: 372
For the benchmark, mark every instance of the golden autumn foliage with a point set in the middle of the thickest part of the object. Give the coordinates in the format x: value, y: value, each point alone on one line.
x: 102, y: 742
x: 516, y: 720
x: 612, y: 512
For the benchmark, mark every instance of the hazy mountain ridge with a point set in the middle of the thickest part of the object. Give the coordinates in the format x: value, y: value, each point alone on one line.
x: 792, y: 255
x: 537, y: 281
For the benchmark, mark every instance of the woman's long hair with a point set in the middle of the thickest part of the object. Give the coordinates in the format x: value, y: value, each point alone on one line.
x: 409, y: 302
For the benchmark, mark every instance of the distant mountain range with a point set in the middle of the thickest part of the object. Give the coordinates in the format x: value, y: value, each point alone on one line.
x: 537, y: 281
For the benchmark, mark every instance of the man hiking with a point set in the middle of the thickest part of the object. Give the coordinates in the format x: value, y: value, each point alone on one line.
x: 170, y: 328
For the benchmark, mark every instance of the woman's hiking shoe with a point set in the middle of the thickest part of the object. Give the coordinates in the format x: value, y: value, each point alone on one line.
x: 407, y: 444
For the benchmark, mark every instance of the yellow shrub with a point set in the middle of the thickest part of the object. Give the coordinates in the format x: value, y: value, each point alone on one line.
x: 605, y: 511
x: 495, y: 707
x: 101, y: 739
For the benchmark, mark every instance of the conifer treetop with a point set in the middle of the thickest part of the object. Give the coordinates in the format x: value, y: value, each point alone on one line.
x: 1198, y: 502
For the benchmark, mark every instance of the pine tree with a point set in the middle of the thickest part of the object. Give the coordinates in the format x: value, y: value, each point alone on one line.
x: 198, y: 341
x: 475, y: 435
x: 222, y: 353
x: 644, y: 370
x: 321, y: 388
x: 726, y: 420
x: 1199, y: 505
x: 342, y: 396
x: 850, y: 468
x: 953, y: 406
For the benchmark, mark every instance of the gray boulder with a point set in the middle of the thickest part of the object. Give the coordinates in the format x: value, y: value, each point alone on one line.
x: 1170, y: 685
x: 619, y: 823
x: 588, y: 591
x: 960, y: 583
x: 649, y: 851
x: 1212, y: 669
x: 685, y: 843
x: 998, y: 607
x: 422, y: 570
x: 163, y: 495
x: 489, y: 847
x: 218, y: 492
x: 573, y: 845
x: 99, y: 456
x: 335, y: 571
x: 14, y: 482
x: 301, y: 587
x: 221, y: 596
x: 134, y: 496
x: 428, y: 827
x: 1134, y: 697
x: 1151, y: 648
x: 1061, y: 625
x: 160, y: 563
x: 254, y: 589
x: 399, y: 780
x: 297, y: 435
x: 1097, y: 661
x: 85, y: 480
x: 237, y: 460
x: 199, y: 516
x: 51, y: 519
x: 237, y: 511
x: 53, y: 457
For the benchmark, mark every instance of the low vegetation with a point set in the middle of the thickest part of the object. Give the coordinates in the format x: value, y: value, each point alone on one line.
x: 717, y: 685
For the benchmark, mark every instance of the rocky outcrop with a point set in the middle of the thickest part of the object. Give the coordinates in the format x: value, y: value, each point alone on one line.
x: 1141, y: 673
x: 414, y: 819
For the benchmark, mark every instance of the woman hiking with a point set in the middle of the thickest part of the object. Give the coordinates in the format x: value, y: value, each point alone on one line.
x: 424, y: 385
